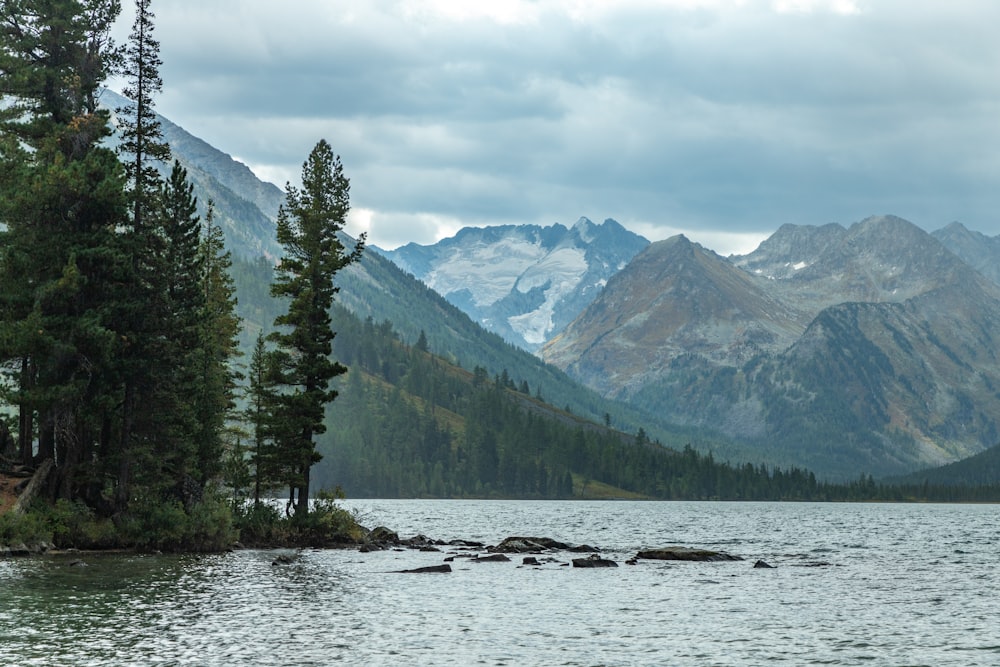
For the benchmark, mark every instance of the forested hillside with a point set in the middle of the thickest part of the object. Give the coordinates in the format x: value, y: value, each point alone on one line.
x: 408, y: 423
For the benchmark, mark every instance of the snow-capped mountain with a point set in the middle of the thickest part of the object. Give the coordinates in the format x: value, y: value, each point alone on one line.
x: 523, y: 282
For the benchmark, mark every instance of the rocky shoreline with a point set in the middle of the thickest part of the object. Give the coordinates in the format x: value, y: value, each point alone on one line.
x: 534, y: 552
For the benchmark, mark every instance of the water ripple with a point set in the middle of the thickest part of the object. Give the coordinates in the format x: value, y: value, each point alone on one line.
x: 893, y: 597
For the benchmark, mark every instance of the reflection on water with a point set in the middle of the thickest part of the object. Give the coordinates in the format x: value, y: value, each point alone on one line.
x: 874, y: 584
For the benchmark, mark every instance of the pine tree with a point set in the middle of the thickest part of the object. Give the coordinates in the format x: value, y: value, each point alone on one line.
x: 166, y: 420
x: 142, y: 144
x: 142, y: 148
x: 54, y: 57
x: 310, y: 224
x: 60, y: 199
x: 217, y: 348
x: 258, y: 414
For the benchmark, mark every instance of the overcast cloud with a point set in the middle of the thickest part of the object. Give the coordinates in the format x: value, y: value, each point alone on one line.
x: 719, y: 119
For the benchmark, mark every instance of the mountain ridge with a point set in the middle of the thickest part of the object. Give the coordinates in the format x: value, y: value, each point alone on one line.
x: 523, y: 282
x: 875, y: 335
x: 750, y: 395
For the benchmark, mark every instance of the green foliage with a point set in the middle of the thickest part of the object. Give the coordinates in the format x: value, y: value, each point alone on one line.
x: 263, y: 524
x: 309, y: 229
x: 153, y: 524
x: 74, y: 525
x: 260, y: 524
x: 327, y: 523
x: 116, y: 318
x: 30, y: 528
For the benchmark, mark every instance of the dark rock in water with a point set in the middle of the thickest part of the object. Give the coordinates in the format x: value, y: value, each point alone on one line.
x: 466, y: 543
x: 761, y: 565
x: 19, y: 549
x: 429, y: 548
x: 420, y: 541
x: 492, y: 558
x: 530, y: 560
x: 77, y: 563
x: 685, y: 553
x: 430, y: 569
x: 520, y: 545
x: 631, y: 561
x: 382, y: 535
x: 593, y: 561
x: 284, y: 559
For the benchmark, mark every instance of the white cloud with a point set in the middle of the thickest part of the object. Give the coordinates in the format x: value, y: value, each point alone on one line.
x: 726, y: 116
x: 504, y: 12
x: 844, y: 7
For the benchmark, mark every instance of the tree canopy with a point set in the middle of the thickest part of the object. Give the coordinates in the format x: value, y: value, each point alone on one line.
x: 310, y: 229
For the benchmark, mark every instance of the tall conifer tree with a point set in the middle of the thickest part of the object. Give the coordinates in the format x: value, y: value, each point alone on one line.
x: 60, y: 199
x: 310, y: 227
x: 142, y: 149
x: 217, y: 348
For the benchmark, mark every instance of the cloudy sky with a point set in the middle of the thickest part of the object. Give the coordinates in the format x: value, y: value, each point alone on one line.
x: 719, y: 119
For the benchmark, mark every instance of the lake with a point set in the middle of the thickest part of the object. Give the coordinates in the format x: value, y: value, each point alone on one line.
x: 853, y: 584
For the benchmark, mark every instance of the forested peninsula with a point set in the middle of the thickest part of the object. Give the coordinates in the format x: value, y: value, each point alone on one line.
x: 118, y: 329
x: 159, y: 393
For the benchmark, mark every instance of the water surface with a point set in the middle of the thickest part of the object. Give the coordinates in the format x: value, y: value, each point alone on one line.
x: 853, y: 584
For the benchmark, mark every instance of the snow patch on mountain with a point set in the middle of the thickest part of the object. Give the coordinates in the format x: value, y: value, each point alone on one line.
x: 489, y: 271
x: 523, y: 282
x: 558, y: 274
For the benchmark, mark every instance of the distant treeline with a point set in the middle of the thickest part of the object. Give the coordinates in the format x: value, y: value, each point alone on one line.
x: 408, y: 423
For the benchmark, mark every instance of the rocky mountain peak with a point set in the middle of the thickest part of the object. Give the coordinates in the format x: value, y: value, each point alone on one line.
x: 524, y: 282
x: 870, y: 331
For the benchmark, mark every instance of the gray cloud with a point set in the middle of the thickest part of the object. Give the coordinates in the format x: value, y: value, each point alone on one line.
x: 722, y: 118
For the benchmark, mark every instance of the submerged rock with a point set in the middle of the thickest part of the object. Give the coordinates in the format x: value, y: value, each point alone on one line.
x: 593, y: 561
x: 285, y: 559
x: 492, y: 558
x: 466, y: 543
x: 520, y: 545
x: 430, y: 569
x: 685, y: 553
x: 382, y: 535
x: 761, y: 565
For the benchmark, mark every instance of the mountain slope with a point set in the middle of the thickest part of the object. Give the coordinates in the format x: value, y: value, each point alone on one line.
x: 522, y: 282
x: 873, y: 347
x: 245, y: 206
x: 758, y: 321
x: 983, y: 469
x: 979, y: 251
x: 674, y: 299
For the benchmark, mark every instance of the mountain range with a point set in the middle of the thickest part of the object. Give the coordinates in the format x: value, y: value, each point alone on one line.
x: 845, y: 350
x: 523, y: 282
x: 867, y: 346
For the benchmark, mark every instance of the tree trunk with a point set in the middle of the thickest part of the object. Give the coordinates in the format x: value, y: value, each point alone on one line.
x: 123, y: 492
x: 302, y: 504
x: 26, y: 418
x: 34, y: 486
x: 47, y: 436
